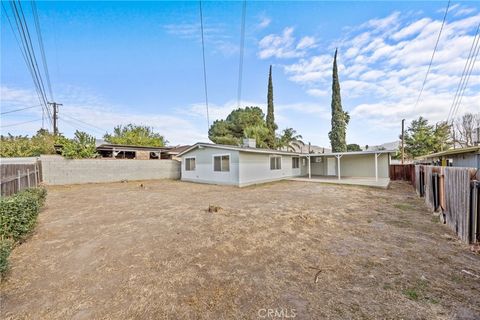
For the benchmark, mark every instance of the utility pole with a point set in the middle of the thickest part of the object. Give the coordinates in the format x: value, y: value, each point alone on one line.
x: 55, y: 116
x: 403, y: 140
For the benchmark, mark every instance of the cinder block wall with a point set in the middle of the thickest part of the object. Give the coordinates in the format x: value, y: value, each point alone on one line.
x: 57, y: 170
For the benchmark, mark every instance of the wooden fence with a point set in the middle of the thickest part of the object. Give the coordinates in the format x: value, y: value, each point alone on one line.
x: 404, y: 172
x: 16, y: 177
x: 454, y: 192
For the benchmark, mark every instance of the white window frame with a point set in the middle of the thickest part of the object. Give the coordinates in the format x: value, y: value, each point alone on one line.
x: 297, y: 167
x: 185, y: 163
x: 221, y: 155
x: 270, y: 162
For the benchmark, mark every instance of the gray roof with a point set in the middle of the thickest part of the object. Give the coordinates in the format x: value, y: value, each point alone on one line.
x: 351, y: 153
x: 270, y: 151
x: 475, y: 149
x: 237, y: 148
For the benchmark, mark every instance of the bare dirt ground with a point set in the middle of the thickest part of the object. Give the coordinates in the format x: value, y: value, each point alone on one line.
x: 116, y: 251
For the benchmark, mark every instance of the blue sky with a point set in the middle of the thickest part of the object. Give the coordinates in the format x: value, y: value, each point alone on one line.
x: 120, y: 62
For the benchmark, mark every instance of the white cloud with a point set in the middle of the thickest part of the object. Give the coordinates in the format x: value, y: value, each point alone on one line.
x: 306, y: 42
x: 411, y: 29
x: 283, y: 45
x: 317, y: 92
x: 90, y: 113
x: 264, y: 22
x: 215, y: 36
x: 382, y: 64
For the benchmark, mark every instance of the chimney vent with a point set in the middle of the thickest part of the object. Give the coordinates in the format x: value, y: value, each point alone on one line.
x: 249, y: 143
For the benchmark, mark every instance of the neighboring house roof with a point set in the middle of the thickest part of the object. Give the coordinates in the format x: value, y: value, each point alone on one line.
x: 450, y: 152
x: 235, y: 148
x: 177, y: 150
x: 120, y: 147
x: 270, y: 151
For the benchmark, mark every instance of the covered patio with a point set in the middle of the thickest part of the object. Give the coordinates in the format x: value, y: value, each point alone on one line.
x: 368, y: 168
x: 358, y: 181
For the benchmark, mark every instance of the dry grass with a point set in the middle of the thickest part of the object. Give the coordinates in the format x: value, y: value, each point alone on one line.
x: 115, y: 251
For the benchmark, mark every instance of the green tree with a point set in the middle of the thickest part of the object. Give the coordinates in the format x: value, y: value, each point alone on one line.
x: 419, y: 138
x: 340, y: 118
x: 138, y: 135
x: 80, y: 147
x: 260, y: 133
x: 353, y: 147
x: 271, y: 125
x: 42, y: 142
x: 442, y: 138
x: 290, y: 140
x: 232, y: 129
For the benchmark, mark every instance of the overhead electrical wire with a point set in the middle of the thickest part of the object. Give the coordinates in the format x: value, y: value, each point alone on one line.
x: 242, y: 47
x: 81, y: 121
x: 465, y: 77
x: 17, y: 110
x: 42, y: 48
x: 433, y: 55
x: 204, y: 65
x: 24, y: 53
x: 19, y: 123
x: 31, y: 48
x: 28, y: 52
x: 75, y: 124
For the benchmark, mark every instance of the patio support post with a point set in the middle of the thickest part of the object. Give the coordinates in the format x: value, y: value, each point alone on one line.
x: 309, y: 169
x: 376, y: 166
x: 338, y: 165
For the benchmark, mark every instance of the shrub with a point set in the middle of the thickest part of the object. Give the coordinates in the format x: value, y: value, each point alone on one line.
x: 18, y: 213
x: 5, y: 249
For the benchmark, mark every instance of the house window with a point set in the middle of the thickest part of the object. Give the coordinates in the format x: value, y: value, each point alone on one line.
x: 221, y: 163
x: 275, y: 163
x: 190, y: 164
x: 295, y: 162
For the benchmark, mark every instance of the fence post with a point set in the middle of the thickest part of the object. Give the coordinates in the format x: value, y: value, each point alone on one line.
x: 18, y: 181
x: 35, y: 175
x: 28, y: 177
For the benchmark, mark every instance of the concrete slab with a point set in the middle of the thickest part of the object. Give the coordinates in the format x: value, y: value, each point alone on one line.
x: 358, y: 181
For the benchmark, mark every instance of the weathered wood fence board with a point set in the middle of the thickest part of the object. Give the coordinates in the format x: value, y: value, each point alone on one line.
x: 404, y: 172
x: 453, y: 196
x: 17, y: 177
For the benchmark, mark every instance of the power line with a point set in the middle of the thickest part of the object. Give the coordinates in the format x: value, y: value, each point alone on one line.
x: 16, y: 110
x: 33, y: 57
x: 242, y: 47
x: 29, y: 54
x: 465, y: 77
x: 75, y: 124
x: 86, y: 123
x: 42, y: 48
x: 19, y: 123
x: 433, y: 55
x: 23, y: 52
x: 204, y: 66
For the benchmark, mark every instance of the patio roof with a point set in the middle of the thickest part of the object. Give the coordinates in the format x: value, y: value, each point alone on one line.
x: 350, y: 153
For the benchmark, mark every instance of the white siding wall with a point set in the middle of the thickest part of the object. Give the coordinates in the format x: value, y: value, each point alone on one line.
x: 255, y: 168
x: 204, y: 167
x: 364, y: 165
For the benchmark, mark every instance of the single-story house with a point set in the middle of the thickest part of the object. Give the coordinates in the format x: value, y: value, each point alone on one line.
x: 468, y: 157
x: 246, y: 165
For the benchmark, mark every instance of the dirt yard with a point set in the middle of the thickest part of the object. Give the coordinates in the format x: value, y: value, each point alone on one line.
x: 287, y: 249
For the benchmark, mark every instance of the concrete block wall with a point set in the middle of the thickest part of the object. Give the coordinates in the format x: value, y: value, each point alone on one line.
x: 57, y: 170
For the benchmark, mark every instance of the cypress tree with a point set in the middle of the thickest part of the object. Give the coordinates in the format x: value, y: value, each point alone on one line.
x: 270, y: 113
x: 340, y: 118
